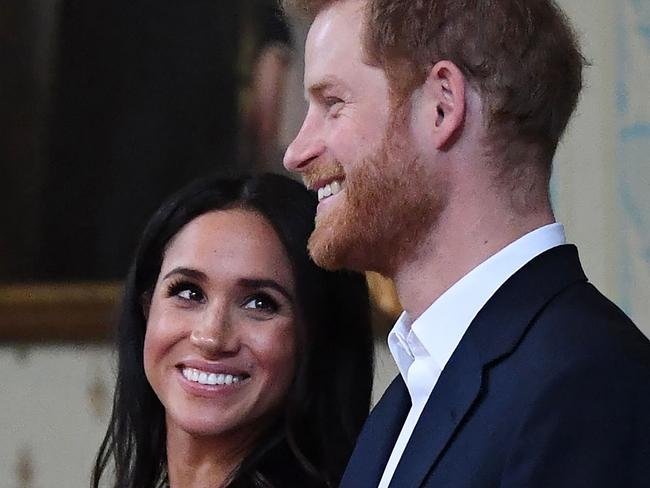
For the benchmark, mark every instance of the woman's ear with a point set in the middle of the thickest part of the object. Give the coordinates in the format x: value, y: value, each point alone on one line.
x: 445, y: 85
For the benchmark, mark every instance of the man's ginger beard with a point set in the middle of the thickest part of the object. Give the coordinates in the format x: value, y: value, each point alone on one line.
x: 390, y: 204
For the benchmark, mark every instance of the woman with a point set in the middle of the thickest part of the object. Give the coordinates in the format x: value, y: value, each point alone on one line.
x: 241, y: 363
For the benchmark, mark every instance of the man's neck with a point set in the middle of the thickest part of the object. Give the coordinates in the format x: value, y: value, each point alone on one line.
x: 459, y: 242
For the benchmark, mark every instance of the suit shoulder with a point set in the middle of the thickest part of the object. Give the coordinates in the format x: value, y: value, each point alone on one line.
x: 582, y: 323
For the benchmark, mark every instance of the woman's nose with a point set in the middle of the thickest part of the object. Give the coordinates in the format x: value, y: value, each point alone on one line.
x: 215, y: 333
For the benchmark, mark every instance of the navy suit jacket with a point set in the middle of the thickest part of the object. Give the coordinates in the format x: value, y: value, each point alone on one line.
x: 548, y: 388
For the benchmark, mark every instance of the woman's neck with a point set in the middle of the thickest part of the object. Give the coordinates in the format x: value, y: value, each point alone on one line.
x: 203, y: 462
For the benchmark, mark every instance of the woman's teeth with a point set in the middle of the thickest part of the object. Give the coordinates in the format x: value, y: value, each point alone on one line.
x: 211, y: 378
x: 328, y: 190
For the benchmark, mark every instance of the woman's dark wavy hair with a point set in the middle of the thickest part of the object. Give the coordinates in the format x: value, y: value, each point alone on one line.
x: 329, y: 398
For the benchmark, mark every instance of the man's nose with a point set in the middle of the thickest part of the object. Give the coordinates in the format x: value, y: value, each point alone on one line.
x: 304, y: 148
x: 215, y: 333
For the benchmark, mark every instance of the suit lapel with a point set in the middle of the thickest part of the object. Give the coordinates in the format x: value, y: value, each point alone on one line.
x: 377, y: 437
x: 493, y: 334
x: 454, y: 394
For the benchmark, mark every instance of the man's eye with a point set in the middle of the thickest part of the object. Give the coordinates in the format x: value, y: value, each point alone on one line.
x: 331, y: 102
x: 261, y: 302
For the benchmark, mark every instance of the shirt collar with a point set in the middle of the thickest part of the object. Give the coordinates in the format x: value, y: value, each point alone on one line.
x: 441, y: 327
x: 398, y: 344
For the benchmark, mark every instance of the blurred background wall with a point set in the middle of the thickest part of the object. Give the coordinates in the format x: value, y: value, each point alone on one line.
x: 55, y: 398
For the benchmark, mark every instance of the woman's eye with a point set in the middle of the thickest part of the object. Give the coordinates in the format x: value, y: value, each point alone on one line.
x: 186, y: 291
x: 262, y: 303
x: 189, y: 295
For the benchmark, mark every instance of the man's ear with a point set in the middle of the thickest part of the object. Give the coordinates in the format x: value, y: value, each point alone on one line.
x: 445, y: 85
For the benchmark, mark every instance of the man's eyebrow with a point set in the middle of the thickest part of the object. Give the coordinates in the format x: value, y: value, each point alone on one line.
x: 188, y: 273
x: 323, y: 85
x: 266, y: 283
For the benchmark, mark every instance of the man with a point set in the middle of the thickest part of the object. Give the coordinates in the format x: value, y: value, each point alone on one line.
x: 429, y: 138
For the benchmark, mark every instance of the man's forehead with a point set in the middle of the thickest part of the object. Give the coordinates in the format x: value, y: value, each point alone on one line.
x: 338, y: 19
x: 334, y: 38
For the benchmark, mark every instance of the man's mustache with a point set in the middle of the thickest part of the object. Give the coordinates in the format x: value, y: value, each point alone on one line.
x: 322, y: 170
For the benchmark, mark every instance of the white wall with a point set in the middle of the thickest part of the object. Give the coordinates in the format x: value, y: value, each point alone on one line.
x: 54, y: 408
x: 602, y: 177
x: 584, y: 169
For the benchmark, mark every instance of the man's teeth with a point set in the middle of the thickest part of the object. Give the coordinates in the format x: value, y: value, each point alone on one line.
x: 328, y: 190
x: 211, y: 378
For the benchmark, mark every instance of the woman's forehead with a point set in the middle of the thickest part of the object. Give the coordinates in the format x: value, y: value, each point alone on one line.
x: 236, y: 241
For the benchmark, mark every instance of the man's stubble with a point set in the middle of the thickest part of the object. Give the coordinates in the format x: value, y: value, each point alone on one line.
x: 390, y: 203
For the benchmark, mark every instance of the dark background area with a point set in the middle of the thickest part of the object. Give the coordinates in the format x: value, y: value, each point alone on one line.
x: 106, y: 107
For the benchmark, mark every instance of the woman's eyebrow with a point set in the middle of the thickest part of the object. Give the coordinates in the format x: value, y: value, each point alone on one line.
x: 265, y: 283
x: 187, y: 272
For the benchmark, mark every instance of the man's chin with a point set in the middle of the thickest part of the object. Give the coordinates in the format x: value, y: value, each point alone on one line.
x: 324, y: 250
x: 335, y: 250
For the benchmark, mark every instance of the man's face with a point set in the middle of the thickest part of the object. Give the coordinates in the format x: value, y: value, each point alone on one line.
x: 355, y: 151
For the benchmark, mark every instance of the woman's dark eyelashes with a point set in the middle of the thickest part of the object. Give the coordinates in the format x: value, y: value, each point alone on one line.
x: 258, y: 301
x: 261, y: 301
x: 185, y: 290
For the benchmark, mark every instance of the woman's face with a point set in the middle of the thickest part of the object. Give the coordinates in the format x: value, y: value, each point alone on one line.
x: 220, y: 344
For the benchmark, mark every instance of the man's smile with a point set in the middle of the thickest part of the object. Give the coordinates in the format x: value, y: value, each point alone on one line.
x: 326, y: 181
x: 330, y: 189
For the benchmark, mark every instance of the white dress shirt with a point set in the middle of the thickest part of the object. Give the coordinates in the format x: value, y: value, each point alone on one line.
x: 421, y: 349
